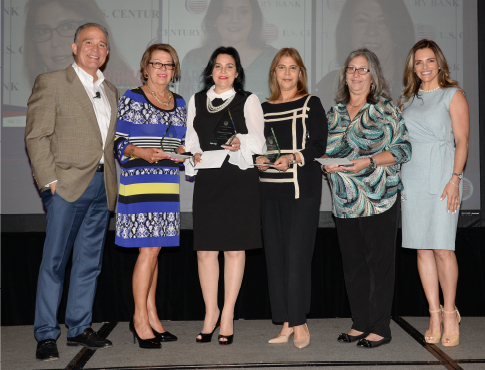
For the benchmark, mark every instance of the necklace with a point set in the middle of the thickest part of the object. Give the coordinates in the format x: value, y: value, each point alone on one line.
x: 355, y: 106
x: 439, y: 87
x: 158, y: 100
x: 212, y: 109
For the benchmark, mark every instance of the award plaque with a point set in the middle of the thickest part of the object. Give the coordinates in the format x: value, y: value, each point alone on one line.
x: 169, y: 142
x: 272, y: 148
x: 225, y: 131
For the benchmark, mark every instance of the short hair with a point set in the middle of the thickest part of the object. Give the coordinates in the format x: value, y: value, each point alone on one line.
x: 91, y: 24
x: 412, y: 83
x: 302, y: 85
x: 379, y: 86
x: 163, y: 47
x: 207, y: 73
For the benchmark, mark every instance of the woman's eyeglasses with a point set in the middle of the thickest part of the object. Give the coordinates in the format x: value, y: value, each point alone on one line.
x: 158, y: 65
x: 362, y: 71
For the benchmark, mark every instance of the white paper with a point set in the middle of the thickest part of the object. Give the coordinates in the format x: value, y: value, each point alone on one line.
x: 330, y: 161
x: 212, y: 159
x: 179, y: 156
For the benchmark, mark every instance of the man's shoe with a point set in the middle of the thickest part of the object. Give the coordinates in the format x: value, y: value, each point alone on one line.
x: 47, y: 350
x: 89, y: 339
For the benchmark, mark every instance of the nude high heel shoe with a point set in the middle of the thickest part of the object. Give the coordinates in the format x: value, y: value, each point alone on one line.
x: 434, y: 338
x: 302, y: 343
x: 281, y: 338
x: 453, y: 340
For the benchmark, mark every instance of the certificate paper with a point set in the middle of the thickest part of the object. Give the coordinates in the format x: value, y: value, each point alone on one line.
x: 329, y: 161
x: 179, y: 156
x: 212, y: 159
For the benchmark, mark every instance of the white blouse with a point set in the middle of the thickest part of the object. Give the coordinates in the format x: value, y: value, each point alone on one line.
x: 251, y: 143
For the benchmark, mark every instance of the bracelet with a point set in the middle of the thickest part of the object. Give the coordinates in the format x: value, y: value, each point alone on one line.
x: 185, y: 149
x: 454, y: 184
x: 460, y: 175
x: 131, y: 153
x: 372, y: 164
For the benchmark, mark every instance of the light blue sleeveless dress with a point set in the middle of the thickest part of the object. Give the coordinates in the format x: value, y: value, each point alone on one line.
x: 425, y: 222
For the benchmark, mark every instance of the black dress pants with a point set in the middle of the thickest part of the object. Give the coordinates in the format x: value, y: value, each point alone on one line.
x: 289, y: 230
x: 368, y: 246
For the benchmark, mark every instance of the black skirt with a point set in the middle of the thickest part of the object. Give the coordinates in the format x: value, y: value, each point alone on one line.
x: 226, y: 209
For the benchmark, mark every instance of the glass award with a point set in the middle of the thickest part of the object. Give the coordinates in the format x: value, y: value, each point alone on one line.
x: 225, y: 131
x: 272, y: 148
x: 169, y: 142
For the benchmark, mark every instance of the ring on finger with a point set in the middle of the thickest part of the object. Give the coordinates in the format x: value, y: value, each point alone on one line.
x: 457, y: 201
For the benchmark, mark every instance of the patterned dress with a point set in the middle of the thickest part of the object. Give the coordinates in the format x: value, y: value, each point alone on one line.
x: 375, y: 129
x: 148, y: 212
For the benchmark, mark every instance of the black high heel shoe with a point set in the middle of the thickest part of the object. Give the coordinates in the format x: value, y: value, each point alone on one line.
x: 165, y: 336
x: 151, y: 343
x: 207, y: 337
x: 229, y: 339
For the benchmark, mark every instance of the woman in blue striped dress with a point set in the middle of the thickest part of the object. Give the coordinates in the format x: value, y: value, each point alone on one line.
x: 151, y: 125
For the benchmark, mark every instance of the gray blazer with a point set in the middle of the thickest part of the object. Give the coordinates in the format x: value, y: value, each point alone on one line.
x: 63, y: 138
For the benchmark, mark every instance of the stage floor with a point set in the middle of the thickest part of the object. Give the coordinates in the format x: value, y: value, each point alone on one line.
x: 251, y: 350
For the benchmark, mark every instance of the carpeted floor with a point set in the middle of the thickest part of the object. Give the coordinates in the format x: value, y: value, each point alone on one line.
x: 250, y: 347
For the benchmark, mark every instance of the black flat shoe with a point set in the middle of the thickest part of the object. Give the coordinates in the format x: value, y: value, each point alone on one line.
x: 165, y: 336
x: 364, y: 343
x: 90, y: 339
x: 207, y: 337
x: 47, y: 350
x: 151, y: 343
x: 347, y: 338
x: 230, y: 339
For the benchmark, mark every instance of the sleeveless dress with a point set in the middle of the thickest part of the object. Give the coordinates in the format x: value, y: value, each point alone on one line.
x: 148, y: 213
x: 425, y: 222
x: 226, y: 206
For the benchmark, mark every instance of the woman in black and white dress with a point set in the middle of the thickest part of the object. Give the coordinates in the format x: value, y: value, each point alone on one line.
x: 226, y: 206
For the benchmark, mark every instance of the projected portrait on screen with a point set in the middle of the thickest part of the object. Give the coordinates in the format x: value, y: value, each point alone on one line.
x: 382, y: 26
x: 49, y: 33
x: 236, y: 23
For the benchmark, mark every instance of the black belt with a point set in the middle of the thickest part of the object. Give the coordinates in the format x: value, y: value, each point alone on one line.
x: 100, y: 168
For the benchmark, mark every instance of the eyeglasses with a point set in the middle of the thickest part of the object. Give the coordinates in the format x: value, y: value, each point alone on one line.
x: 158, y: 65
x: 362, y: 71
x: 67, y: 29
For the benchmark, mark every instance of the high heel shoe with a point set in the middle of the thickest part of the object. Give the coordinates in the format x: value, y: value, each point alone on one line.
x: 151, y: 343
x: 281, y: 338
x: 229, y: 338
x: 207, y: 337
x: 302, y: 343
x: 453, y: 340
x: 165, y: 336
x: 434, y: 338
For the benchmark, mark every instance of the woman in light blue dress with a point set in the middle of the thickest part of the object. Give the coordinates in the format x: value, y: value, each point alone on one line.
x: 436, y: 114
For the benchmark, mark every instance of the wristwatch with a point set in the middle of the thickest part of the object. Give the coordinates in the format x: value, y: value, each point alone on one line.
x: 460, y: 176
x: 293, y: 161
x: 373, y: 163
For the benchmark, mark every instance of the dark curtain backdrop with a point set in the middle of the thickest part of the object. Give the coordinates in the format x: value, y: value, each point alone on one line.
x: 180, y: 298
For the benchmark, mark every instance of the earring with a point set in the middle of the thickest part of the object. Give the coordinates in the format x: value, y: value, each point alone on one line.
x: 172, y: 78
x: 145, y: 75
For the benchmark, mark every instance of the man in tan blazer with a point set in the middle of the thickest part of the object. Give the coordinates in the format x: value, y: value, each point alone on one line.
x: 71, y: 124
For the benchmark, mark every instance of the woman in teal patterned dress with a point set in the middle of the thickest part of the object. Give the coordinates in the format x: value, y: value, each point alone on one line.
x: 148, y: 215
x: 436, y: 111
x: 366, y: 128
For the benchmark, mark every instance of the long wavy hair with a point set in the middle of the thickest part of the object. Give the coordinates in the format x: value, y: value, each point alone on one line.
x: 412, y: 82
x: 379, y: 86
x: 238, y: 84
x: 302, y: 85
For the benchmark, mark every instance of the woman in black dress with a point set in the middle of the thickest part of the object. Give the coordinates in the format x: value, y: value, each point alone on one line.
x: 290, y: 193
x: 226, y: 205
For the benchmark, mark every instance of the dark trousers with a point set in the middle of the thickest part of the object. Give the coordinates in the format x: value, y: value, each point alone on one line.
x: 80, y: 227
x: 289, y: 229
x: 368, y: 246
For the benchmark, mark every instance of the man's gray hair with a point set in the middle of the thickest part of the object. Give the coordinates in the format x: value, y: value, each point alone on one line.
x: 91, y: 24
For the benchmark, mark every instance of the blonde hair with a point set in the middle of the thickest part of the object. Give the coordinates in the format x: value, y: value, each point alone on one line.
x: 412, y: 82
x: 163, y: 47
x: 302, y: 85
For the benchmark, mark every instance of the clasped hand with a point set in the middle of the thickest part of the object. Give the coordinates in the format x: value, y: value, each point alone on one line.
x: 153, y: 155
x: 281, y: 164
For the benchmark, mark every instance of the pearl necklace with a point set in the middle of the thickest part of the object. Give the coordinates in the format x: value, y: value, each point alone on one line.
x: 156, y: 98
x: 427, y: 91
x: 212, y: 109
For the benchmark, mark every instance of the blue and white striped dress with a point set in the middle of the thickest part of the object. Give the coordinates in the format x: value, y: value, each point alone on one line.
x: 149, y: 201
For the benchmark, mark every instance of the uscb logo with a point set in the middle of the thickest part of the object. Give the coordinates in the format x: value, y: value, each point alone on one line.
x: 270, y: 33
x: 196, y: 6
x: 170, y: 135
x: 425, y: 31
x: 226, y: 123
x: 336, y: 5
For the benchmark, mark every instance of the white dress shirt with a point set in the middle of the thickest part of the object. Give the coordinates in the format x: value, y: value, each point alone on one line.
x: 251, y: 143
x: 101, y: 106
